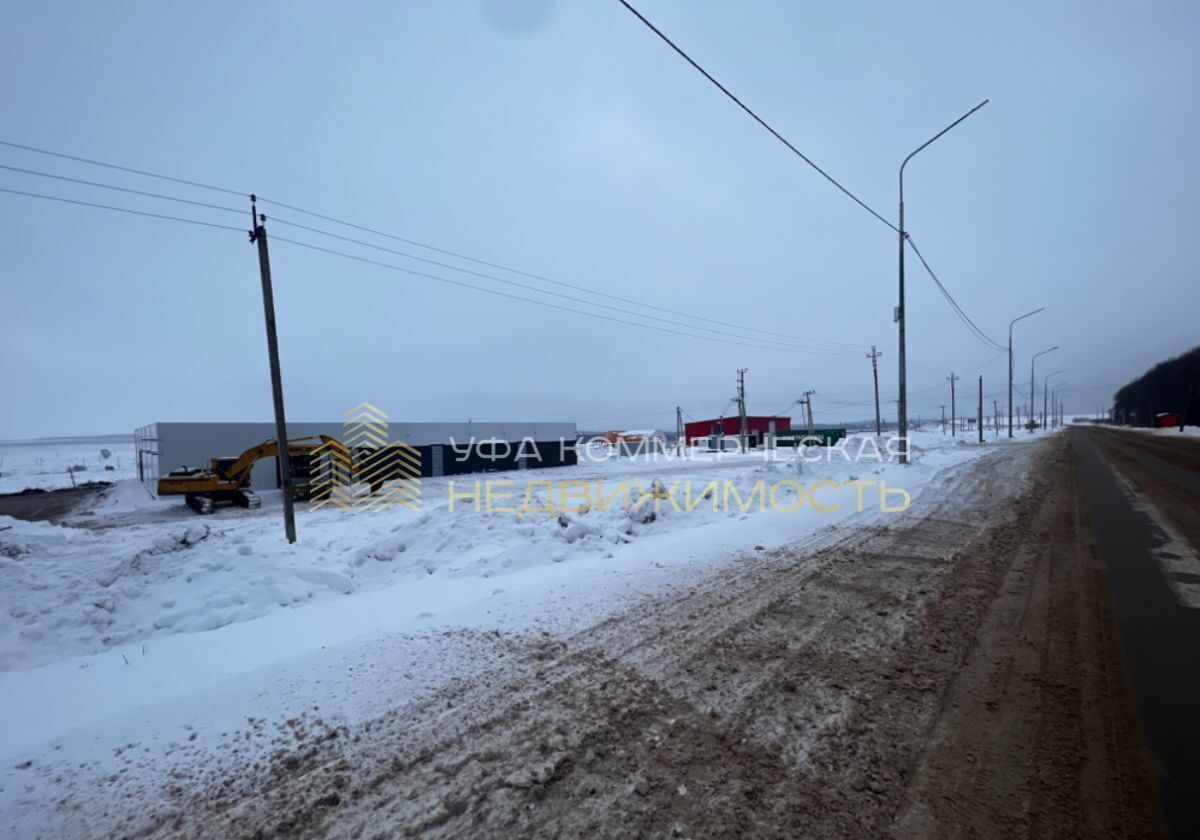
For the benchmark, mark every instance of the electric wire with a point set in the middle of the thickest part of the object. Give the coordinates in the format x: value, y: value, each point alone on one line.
x: 974, y: 328
x: 497, y: 292
x: 755, y: 116
x: 128, y: 169
x: 958, y: 310
x: 528, y: 287
x: 971, y: 325
x: 129, y: 190
x: 545, y: 279
x: 122, y: 209
x: 364, y: 259
x: 819, y: 344
x: 167, y: 217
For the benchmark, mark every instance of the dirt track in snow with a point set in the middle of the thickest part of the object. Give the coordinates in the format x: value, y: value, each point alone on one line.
x: 949, y: 673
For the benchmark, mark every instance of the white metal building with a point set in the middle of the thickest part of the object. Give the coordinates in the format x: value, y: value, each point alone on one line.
x: 446, y: 448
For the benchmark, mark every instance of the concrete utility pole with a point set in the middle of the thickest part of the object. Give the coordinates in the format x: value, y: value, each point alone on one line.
x: 902, y: 403
x: 259, y: 237
x: 678, y: 429
x: 874, y: 357
x: 953, y: 426
x: 943, y: 419
x: 1010, y: 365
x: 741, y: 398
x: 996, y: 417
x: 979, y: 415
x: 808, y: 412
x: 1033, y: 383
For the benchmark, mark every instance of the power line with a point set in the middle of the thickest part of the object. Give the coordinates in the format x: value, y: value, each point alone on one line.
x: 980, y: 334
x: 766, y: 344
x: 499, y: 293
x: 755, y: 116
x: 528, y: 287
x: 149, y: 214
x: 121, y: 189
x: 129, y: 169
x: 122, y: 210
x: 816, y: 341
x: 818, y: 344
x: 966, y: 319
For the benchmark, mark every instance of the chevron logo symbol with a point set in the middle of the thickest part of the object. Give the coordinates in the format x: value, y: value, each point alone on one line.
x: 394, y: 474
x: 331, y: 479
x: 365, y: 470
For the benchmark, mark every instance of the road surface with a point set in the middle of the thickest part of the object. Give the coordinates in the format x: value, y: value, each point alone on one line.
x: 1144, y: 493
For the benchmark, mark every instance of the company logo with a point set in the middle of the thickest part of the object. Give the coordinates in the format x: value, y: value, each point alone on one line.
x: 365, y: 470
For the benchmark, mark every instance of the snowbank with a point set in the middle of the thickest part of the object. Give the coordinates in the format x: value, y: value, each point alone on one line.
x: 73, y: 591
x: 149, y: 602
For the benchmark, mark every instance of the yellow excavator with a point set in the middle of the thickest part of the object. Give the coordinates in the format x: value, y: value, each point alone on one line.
x: 227, y: 480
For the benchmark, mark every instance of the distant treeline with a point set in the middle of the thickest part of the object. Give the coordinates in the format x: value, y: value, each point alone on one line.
x: 1171, y: 386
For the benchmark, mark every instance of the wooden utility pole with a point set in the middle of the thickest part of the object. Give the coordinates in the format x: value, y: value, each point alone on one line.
x: 953, y: 426
x: 874, y: 357
x: 259, y: 237
x: 678, y: 429
x: 741, y: 400
x: 808, y: 412
x: 996, y: 412
x: 979, y: 414
x: 943, y: 419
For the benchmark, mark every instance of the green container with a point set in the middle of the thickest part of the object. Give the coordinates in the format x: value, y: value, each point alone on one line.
x: 800, y: 437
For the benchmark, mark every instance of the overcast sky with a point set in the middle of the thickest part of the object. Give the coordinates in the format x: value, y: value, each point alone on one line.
x: 565, y: 140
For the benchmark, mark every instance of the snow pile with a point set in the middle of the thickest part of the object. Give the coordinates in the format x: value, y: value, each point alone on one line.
x: 132, y: 569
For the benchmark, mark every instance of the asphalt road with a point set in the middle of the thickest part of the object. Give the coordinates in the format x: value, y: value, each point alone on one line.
x: 1143, y: 492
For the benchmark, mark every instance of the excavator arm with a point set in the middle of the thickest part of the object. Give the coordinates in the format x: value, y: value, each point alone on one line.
x: 239, y: 470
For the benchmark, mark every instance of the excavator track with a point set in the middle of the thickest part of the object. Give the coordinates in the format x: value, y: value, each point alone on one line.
x: 247, y: 499
x: 200, y: 504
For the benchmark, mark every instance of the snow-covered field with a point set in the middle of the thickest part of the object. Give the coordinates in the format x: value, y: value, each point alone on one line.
x: 136, y: 616
x: 50, y: 465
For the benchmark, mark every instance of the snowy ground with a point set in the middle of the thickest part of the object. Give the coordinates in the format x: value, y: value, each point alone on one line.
x: 1193, y: 431
x: 48, y: 464
x: 136, y: 621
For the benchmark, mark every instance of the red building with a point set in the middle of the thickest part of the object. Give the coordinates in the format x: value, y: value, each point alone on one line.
x: 756, y: 428
x: 1166, y: 420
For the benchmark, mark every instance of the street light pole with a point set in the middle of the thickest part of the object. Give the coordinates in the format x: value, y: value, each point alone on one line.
x: 1046, y: 397
x: 1010, y: 365
x: 1033, y: 384
x: 1059, y: 388
x: 902, y: 402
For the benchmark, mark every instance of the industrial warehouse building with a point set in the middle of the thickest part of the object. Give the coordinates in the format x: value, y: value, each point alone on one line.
x: 445, y: 448
x: 698, y: 432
